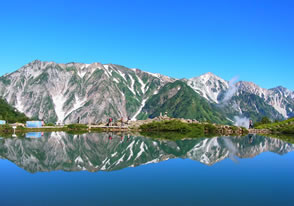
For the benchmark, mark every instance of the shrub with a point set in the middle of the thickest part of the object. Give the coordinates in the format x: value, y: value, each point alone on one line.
x: 50, y: 124
x: 210, y: 128
x: 173, y: 125
x: 77, y: 127
x: 6, y: 128
x: 288, y: 130
x: 263, y: 121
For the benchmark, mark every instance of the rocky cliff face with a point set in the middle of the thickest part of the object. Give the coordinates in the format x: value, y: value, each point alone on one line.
x: 92, y: 92
x: 209, y: 86
x: 244, y: 98
x: 65, y: 93
x: 108, y: 152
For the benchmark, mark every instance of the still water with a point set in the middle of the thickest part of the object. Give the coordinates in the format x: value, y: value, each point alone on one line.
x: 109, y: 169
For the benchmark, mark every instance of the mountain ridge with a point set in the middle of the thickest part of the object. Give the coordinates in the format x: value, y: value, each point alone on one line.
x: 93, y: 92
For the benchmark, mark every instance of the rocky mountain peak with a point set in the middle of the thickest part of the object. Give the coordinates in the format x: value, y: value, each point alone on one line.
x: 92, y: 92
x: 251, y: 87
x: 208, y: 77
x: 283, y: 91
x: 209, y: 86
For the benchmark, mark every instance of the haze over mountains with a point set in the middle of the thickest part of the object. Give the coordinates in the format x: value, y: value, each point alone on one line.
x: 94, y: 92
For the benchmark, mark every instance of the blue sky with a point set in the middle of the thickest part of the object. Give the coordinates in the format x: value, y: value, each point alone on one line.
x: 247, y: 38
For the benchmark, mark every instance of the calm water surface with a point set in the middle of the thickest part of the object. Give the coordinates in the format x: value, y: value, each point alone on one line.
x: 108, y: 169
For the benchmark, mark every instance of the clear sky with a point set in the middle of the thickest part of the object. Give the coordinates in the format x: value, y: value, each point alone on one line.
x: 247, y: 38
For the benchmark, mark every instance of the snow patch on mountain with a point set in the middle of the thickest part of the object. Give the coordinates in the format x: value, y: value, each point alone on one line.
x: 279, y: 107
x: 19, y: 104
x: 82, y: 71
x: 142, y: 84
x: 107, y: 70
x: 141, y: 150
x: 122, y: 75
x: 79, y: 160
x: 59, y: 101
x: 120, y: 160
x: 140, y: 109
x: 130, y: 147
x: 132, y: 85
x: 78, y: 104
x: 154, y: 74
x: 208, y: 86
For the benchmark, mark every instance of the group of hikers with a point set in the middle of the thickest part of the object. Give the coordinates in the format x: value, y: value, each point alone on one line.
x: 122, y: 120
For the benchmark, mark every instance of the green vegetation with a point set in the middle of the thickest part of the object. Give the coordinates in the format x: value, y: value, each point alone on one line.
x: 264, y: 120
x: 164, y: 126
x: 283, y: 127
x: 78, y: 127
x: 180, y: 101
x: 10, y: 114
x: 50, y: 124
x: 175, y: 129
x: 250, y: 104
x: 6, y: 129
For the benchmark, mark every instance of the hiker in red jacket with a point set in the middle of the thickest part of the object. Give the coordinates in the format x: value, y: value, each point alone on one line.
x: 109, y: 122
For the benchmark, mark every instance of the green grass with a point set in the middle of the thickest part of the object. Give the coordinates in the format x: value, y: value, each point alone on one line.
x: 77, y: 127
x: 7, y: 131
x: 175, y: 129
x: 164, y: 126
x: 284, y: 127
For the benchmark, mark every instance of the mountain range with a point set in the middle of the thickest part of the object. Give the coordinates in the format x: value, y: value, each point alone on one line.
x: 94, y: 92
x: 98, y: 152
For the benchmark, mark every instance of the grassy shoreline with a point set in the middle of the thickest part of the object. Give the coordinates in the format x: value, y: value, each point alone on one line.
x: 171, y: 129
x: 285, y: 127
x: 6, y: 130
x: 175, y: 129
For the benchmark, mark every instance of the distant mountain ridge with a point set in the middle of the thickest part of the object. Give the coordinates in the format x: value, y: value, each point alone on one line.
x: 94, y: 92
x: 246, y: 98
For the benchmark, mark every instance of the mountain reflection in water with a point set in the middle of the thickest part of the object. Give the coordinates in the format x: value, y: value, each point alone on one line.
x: 107, y: 152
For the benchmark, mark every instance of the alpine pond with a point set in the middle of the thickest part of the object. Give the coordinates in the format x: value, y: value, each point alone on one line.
x: 124, y: 169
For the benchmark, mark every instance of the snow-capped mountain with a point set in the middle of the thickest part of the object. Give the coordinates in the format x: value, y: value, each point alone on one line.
x: 279, y: 98
x: 92, y: 92
x: 108, y: 152
x: 209, y: 86
x: 245, y: 97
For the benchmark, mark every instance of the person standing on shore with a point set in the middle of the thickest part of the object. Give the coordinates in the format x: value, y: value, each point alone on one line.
x: 250, y: 124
